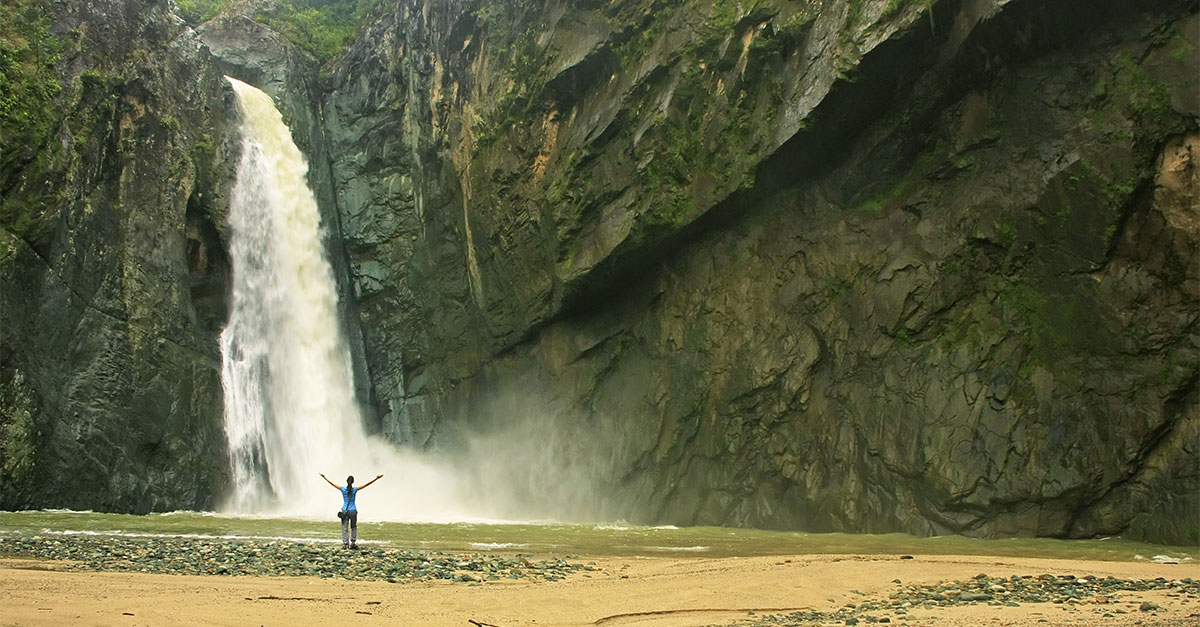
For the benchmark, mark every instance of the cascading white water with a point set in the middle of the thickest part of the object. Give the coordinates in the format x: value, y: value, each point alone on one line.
x: 290, y: 412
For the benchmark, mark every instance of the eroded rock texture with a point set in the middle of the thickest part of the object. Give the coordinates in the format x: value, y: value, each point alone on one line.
x: 897, y: 265
x: 830, y: 265
x: 112, y: 266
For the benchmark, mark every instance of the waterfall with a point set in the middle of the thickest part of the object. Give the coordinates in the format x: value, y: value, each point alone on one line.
x: 290, y: 411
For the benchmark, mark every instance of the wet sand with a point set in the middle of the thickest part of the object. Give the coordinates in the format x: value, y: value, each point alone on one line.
x: 621, y: 592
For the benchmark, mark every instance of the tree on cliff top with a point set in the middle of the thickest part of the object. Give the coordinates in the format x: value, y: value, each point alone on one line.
x: 322, y: 28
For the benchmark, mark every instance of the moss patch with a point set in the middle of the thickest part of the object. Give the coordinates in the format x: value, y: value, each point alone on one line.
x: 322, y: 28
x: 28, y: 83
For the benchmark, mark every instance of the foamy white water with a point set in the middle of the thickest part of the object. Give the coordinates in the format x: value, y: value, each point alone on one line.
x: 290, y: 412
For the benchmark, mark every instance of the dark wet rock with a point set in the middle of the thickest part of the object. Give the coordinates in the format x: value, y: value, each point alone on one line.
x: 822, y: 266
x: 113, y: 269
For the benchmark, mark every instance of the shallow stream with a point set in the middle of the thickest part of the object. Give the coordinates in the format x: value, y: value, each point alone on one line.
x: 577, y: 540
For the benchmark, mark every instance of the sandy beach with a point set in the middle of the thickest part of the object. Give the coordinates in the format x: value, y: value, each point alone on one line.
x: 619, y: 592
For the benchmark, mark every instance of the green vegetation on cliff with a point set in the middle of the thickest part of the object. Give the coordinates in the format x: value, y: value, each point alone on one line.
x: 322, y: 28
x: 197, y: 11
x: 30, y: 111
x: 107, y: 373
x: 28, y: 84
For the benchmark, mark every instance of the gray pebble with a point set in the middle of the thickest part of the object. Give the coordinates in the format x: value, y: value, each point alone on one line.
x: 279, y: 558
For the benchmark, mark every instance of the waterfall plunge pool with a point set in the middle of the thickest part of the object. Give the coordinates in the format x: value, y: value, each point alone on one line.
x: 575, y: 540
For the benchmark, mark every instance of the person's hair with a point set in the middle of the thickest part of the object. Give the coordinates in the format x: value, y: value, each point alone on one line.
x: 350, y: 480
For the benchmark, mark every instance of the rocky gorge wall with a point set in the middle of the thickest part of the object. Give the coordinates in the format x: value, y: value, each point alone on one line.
x: 886, y: 266
x: 922, y: 266
x: 120, y: 139
x: 113, y: 274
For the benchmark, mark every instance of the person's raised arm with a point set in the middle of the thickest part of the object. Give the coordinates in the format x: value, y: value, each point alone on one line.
x: 332, y: 483
x: 377, y: 478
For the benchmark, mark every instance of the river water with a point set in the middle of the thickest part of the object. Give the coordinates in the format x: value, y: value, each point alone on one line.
x: 552, y: 539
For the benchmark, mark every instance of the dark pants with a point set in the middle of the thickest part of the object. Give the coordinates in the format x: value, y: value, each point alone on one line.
x: 350, y: 528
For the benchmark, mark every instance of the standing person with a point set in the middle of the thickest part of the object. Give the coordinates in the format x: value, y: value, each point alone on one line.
x: 349, y: 510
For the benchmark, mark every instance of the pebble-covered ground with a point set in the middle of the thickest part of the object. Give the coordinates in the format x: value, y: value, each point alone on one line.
x: 1014, y: 591
x: 1105, y: 597
x: 190, y: 556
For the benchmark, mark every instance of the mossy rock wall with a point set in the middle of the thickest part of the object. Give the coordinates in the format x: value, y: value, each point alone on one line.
x: 883, y: 266
x: 922, y: 266
x: 112, y: 268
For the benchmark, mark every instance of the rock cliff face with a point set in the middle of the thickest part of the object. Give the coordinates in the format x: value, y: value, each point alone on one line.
x: 885, y: 266
x: 112, y: 267
x: 901, y: 265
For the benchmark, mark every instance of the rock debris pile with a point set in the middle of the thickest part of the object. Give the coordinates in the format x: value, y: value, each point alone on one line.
x: 1013, y: 591
x: 188, y: 556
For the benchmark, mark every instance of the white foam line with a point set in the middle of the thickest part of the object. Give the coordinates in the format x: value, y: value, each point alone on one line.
x: 677, y: 548
x: 491, y: 546
x: 193, y: 536
x: 54, y: 511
